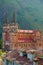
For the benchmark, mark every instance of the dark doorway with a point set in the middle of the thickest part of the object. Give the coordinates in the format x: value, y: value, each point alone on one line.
x: 24, y: 54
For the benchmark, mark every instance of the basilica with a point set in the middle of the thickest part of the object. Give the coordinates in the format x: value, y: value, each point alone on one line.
x: 20, y: 39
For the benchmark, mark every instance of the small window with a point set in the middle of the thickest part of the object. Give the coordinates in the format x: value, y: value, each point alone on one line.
x: 40, y: 44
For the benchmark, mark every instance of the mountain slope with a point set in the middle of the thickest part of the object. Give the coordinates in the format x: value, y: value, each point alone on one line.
x: 29, y: 13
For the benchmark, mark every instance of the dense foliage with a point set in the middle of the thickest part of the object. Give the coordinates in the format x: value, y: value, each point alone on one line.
x: 0, y: 52
x: 0, y: 43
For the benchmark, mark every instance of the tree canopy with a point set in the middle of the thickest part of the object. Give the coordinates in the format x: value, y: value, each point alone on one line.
x: 0, y: 43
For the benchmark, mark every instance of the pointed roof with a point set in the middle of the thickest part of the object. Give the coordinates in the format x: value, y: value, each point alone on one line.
x: 14, y: 17
x: 6, y: 19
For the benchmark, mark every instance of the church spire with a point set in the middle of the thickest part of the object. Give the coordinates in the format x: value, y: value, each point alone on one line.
x: 14, y: 18
x: 6, y: 19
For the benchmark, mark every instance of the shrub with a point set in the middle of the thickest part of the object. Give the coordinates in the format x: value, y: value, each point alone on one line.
x: 0, y: 43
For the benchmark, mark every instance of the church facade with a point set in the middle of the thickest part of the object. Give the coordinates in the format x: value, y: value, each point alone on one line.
x: 15, y: 38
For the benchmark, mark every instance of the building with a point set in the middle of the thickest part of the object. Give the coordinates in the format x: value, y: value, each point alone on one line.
x: 14, y: 58
x: 15, y: 38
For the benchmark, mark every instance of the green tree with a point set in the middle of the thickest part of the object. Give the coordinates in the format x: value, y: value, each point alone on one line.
x: 0, y: 43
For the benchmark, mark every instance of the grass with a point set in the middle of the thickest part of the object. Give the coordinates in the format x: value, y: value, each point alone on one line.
x: 1, y: 52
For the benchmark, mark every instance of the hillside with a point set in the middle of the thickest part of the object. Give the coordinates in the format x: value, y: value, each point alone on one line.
x: 29, y: 13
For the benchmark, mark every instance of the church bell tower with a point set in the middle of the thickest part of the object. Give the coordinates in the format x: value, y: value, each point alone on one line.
x: 5, y: 34
x: 13, y: 32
